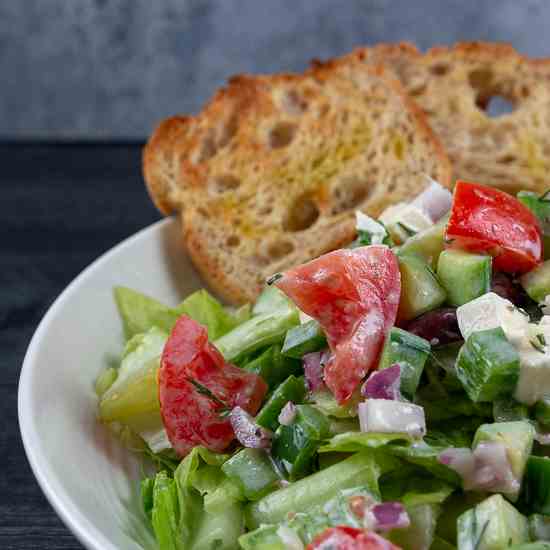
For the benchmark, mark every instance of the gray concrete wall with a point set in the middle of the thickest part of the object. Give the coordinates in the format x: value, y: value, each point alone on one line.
x: 112, y: 68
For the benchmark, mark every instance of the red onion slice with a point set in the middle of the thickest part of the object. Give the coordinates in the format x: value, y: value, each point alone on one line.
x: 487, y: 468
x: 313, y: 369
x: 287, y: 414
x: 387, y: 516
x: 247, y: 432
x: 383, y: 384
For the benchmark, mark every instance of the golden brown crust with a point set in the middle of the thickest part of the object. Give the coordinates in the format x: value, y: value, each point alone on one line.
x: 269, y: 174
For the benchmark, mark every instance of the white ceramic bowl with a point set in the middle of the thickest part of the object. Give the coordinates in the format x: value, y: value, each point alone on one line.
x: 90, y: 480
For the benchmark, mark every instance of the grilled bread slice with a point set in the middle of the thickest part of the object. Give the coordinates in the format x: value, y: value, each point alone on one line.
x: 270, y: 173
x: 454, y: 87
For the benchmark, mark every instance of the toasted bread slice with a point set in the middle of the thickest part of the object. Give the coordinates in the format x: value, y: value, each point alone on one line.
x: 454, y: 87
x: 270, y: 173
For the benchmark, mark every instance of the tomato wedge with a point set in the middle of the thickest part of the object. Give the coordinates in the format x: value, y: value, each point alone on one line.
x: 484, y: 219
x: 354, y: 294
x: 196, y: 388
x: 349, y: 538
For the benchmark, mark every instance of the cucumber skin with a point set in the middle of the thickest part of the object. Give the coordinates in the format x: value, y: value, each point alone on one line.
x: 537, y: 282
x: 488, y: 366
x: 464, y: 276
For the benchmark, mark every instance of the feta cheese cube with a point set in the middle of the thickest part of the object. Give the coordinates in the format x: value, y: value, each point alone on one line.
x: 387, y: 416
x: 366, y: 223
x: 491, y: 311
x: 401, y: 217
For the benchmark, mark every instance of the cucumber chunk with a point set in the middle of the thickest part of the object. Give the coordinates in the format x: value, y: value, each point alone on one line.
x: 292, y: 389
x: 420, y: 288
x: 492, y: 525
x: 464, y: 276
x: 517, y: 437
x: 536, y: 485
x: 253, y: 472
x: 410, y: 352
x: 488, y: 365
x: 420, y: 533
x: 537, y: 282
x: 303, y: 339
x: 427, y: 244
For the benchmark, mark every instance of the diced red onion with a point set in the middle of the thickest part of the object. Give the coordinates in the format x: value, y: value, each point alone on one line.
x: 287, y: 414
x: 384, y: 416
x: 487, y: 468
x: 389, y: 515
x: 435, y: 200
x: 313, y: 369
x: 247, y: 432
x: 383, y: 384
x: 542, y: 437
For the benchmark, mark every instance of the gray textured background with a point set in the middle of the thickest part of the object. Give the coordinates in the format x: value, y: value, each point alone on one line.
x: 112, y: 68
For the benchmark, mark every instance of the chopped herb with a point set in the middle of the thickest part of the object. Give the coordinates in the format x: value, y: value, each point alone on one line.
x: 408, y: 230
x: 545, y: 197
x: 537, y: 344
x: 449, y: 241
x: 541, y: 339
x: 274, y: 278
x: 203, y: 390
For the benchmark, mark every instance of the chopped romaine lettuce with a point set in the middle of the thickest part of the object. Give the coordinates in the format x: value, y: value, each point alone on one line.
x: 358, y: 441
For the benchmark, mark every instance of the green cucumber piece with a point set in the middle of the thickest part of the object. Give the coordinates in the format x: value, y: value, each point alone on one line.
x: 537, y: 282
x: 493, y: 524
x: 427, y: 244
x: 420, y: 533
x: 464, y: 276
x: 273, y: 367
x: 297, y: 444
x: 420, y: 288
x: 303, y: 339
x: 410, y: 352
x: 540, y: 206
x: 517, y: 437
x: 542, y: 411
x: 536, y: 485
x: 253, y: 472
x: 292, y: 389
x: 488, y: 365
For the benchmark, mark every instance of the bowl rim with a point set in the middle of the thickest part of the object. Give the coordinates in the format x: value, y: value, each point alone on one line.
x: 59, y: 499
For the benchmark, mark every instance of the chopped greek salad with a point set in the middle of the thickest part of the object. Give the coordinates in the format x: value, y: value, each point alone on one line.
x: 391, y: 394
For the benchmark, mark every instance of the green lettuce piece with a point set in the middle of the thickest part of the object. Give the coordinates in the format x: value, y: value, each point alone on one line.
x: 271, y: 299
x: 219, y: 531
x: 260, y: 331
x: 327, y: 404
x: 140, y: 312
x: 206, y: 310
x: 146, y: 492
x: 274, y: 367
x: 133, y: 397
x: 307, y: 525
x: 216, y: 501
x: 425, y: 456
x: 361, y: 469
x: 358, y: 441
x: 105, y: 380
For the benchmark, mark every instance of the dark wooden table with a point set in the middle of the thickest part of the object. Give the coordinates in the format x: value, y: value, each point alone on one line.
x: 60, y: 207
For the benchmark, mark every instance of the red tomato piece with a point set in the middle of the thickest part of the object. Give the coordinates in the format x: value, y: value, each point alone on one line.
x: 196, y: 386
x: 354, y: 294
x: 349, y: 538
x: 484, y: 219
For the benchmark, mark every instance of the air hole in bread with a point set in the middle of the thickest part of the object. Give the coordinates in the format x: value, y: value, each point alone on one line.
x: 279, y: 249
x: 417, y: 89
x: 302, y: 214
x: 441, y: 69
x: 293, y: 103
x: 233, y: 241
x: 481, y: 79
x: 281, y: 134
x: 222, y: 183
x: 207, y: 149
x: 507, y: 159
x: 349, y: 194
x: 203, y: 212
x: 495, y: 106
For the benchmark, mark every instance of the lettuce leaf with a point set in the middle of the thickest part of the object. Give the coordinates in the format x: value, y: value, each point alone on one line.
x: 358, y: 441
